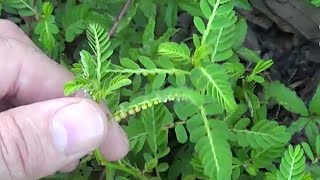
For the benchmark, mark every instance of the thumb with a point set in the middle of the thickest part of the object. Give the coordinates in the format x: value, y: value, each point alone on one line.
x: 37, y: 140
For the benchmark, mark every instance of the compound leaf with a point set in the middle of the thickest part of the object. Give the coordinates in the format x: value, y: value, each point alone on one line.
x: 211, y: 139
x: 286, y: 97
x: 214, y: 80
x: 292, y: 164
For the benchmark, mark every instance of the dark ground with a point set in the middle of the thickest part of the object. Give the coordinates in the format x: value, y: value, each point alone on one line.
x: 286, y: 31
x: 294, y: 47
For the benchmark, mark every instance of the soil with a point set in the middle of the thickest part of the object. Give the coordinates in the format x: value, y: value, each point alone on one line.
x: 295, y: 51
x: 296, y: 59
x: 279, y: 34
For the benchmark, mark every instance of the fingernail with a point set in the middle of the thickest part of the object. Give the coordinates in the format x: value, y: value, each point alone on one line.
x: 77, y: 128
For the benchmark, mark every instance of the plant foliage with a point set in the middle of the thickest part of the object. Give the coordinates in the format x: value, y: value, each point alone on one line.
x: 194, y: 104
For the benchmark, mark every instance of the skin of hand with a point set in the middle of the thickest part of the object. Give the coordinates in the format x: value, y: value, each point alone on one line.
x: 41, y: 130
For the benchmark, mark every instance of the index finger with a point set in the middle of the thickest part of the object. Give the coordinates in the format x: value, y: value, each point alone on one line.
x: 11, y: 30
x: 30, y: 75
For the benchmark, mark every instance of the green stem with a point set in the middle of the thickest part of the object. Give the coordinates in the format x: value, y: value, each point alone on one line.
x: 30, y: 8
x: 135, y: 173
x: 98, y: 54
x: 148, y: 71
x: 216, y: 45
x: 99, y: 156
x: 211, y: 18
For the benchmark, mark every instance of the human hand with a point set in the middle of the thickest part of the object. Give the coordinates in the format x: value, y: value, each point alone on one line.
x: 41, y: 131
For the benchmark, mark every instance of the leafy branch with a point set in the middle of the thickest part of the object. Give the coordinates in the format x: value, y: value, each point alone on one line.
x: 118, y: 19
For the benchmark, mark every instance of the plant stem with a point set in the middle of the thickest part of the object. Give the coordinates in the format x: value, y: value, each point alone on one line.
x: 149, y: 71
x: 31, y: 9
x: 211, y: 18
x: 122, y: 13
x: 135, y: 173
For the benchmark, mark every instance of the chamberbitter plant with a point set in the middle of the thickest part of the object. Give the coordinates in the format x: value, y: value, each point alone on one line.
x: 191, y: 108
x: 315, y: 2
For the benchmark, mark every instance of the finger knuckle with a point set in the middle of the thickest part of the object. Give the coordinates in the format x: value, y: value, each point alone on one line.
x: 14, y: 152
x: 7, y: 44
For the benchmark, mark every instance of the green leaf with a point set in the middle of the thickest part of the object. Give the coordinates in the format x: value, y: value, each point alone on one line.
x: 315, y: 3
x: 128, y: 63
x: 199, y: 24
x: 136, y: 134
x: 153, y: 119
x: 73, y: 19
x: 242, y: 29
x: 258, y: 79
x: 147, y: 62
x: 318, y: 145
x: 191, y: 7
x: 73, y: 86
x: 159, y: 81
x: 165, y: 63
x: 128, y: 18
x: 171, y: 15
x: 234, y: 69
x: 261, y: 66
x: 308, y: 151
x: 312, y: 131
x: 251, y: 170
x: 151, y: 164
x: 163, y: 153
x: 242, y: 123
x: 99, y: 43
x: 248, y: 55
x: 212, y: 107
x: 87, y: 64
x: 121, y: 178
x: 270, y: 176
x: 253, y: 102
x: 24, y: 7
x: 163, y: 167
x: 156, y: 97
x: 262, y: 113
x: 236, y: 173
x: 140, y: 144
x: 298, y: 125
x: 264, y: 134
x: 174, y: 51
x: 181, y: 133
x: 180, y: 80
x: 262, y: 158
x: 214, y: 81
x: 205, y: 8
x: 184, y: 109
x: 222, y: 35
x: 73, y: 30
x: 118, y: 82
x: 285, y: 97
x: 47, y: 8
x: 197, y: 168
x: 211, y: 139
x: 148, y: 34
x: 46, y: 28
x: 148, y: 8
x: 234, y: 116
x: 243, y: 4
x: 292, y: 164
x: 314, y: 105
